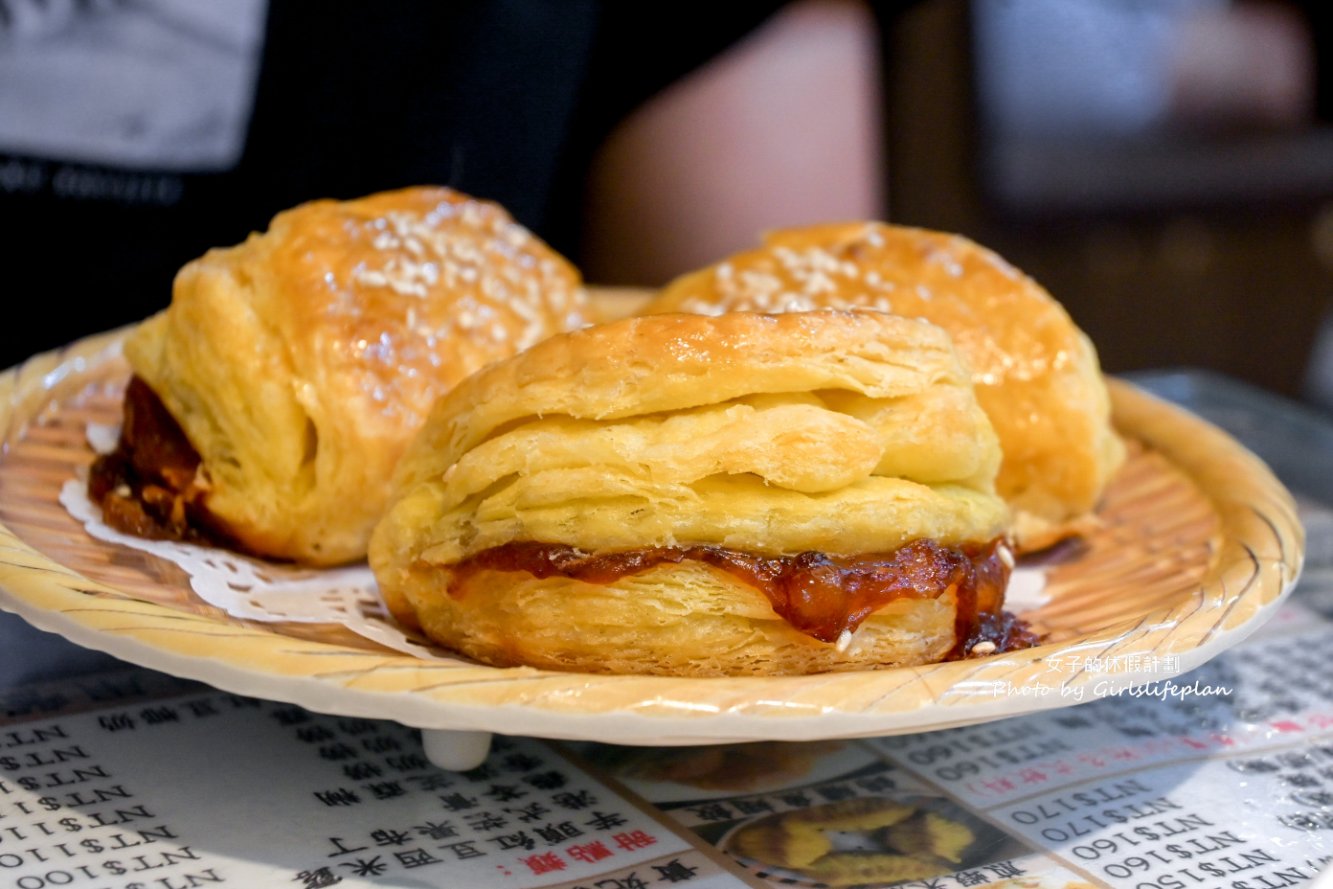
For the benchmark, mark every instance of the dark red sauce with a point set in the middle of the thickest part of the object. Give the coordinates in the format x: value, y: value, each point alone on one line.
x: 818, y: 594
x: 146, y: 486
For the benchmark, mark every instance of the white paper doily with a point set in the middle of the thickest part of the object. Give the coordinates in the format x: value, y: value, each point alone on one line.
x: 251, y: 589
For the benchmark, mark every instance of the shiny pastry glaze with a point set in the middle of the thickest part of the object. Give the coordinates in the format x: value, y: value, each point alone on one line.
x: 147, y: 485
x: 820, y: 595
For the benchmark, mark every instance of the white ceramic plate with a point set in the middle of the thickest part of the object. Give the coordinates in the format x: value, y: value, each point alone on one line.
x: 1198, y: 544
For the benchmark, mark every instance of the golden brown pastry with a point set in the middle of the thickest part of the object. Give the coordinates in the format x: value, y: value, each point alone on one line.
x: 689, y: 495
x: 275, y: 395
x: 1036, y: 374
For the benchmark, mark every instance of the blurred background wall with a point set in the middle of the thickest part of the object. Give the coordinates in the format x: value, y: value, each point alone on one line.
x: 1163, y: 167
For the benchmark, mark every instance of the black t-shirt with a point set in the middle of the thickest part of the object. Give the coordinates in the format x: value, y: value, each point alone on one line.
x: 147, y: 139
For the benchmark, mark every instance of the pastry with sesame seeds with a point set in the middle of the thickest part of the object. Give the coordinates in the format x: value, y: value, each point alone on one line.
x: 682, y: 495
x: 272, y: 399
x: 1036, y: 374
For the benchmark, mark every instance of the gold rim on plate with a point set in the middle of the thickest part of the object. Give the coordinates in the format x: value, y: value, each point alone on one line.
x: 1197, y: 545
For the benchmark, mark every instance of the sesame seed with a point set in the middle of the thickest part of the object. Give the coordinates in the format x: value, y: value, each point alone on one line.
x: 532, y: 334
x: 761, y: 283
x: 819, y: 283
x: 696, y: 306
x: 369, y: 278
x: 821, y: 259
x: 524, y: 309
x: 796, y: 302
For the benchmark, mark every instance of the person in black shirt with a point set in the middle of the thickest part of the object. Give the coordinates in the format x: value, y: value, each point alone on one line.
x: 135, y: 136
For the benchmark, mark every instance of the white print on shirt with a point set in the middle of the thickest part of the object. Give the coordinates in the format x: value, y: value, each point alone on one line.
x: 164, y: 85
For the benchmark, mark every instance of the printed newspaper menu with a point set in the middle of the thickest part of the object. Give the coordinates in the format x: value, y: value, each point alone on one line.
x: 205, y: 788
x: 1222, y: 777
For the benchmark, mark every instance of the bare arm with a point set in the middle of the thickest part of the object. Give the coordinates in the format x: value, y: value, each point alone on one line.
x: 782, y: 129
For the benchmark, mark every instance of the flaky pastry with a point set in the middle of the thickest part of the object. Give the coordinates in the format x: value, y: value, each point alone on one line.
x: 1036, y: 373
x: 689, y: 495
x: 297, y: 365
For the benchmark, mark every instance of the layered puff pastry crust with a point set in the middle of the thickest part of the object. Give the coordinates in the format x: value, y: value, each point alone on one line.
x: 1036, y: 373
x: 681, y: 495
x: 299, y: 363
